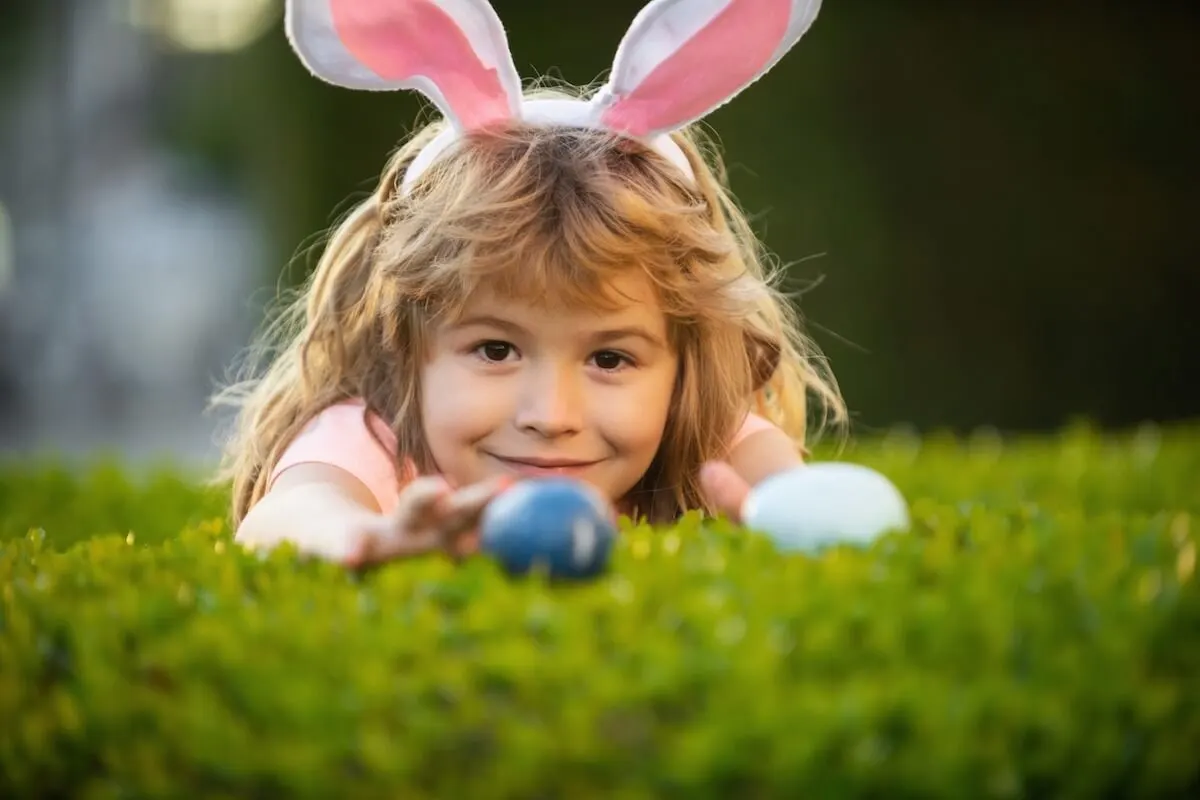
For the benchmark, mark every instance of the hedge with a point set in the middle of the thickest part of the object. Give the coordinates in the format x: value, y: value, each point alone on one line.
x: 1034, y: 635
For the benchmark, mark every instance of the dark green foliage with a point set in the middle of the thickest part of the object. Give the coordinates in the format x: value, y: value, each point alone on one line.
x: 1036, y: 635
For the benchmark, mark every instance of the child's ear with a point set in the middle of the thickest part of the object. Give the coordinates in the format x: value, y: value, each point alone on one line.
x: 683, y: 59
x: 455, y: 52
x: 764, y: 352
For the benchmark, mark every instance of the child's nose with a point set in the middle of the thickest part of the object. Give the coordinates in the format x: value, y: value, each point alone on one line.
x: 552, y: 401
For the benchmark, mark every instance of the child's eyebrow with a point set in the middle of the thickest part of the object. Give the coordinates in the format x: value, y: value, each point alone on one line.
x: 629, y: 331
x: 488, y: 319
x: 604, y: 335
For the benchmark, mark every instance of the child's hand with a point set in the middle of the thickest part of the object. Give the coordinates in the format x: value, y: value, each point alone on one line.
x: 430, y: 516
x: 760, y: 455
x: 725, y: 487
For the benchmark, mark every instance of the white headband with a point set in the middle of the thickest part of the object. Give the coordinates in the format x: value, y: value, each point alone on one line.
x: 679, y: 61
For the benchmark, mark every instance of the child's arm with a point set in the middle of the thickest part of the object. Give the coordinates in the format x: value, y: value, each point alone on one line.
x: 323, y: 510
x: 762, y: 451
x: 327, y: 512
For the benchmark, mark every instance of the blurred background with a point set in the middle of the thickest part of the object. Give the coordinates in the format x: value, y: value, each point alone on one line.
x: 991, y: 208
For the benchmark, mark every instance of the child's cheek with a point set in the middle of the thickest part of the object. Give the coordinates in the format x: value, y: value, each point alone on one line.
x: 635, y: 417
x: 459, y: 407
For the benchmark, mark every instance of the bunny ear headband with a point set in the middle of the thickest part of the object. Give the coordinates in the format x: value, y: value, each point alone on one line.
x: 679, y: 61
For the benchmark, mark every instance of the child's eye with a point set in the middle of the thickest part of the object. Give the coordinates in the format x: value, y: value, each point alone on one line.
x: 611, y: 360
x: 494, y: 351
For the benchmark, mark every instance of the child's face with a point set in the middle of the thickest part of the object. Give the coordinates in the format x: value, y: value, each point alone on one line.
x: 511, y: 388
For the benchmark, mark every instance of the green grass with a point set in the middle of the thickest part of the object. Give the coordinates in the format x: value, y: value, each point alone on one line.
x: 1037, y: 634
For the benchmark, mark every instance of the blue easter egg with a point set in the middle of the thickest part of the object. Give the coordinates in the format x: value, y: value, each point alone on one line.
x: 559, y: 524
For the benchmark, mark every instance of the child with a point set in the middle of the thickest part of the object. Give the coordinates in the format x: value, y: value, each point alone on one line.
x: 541, y: 284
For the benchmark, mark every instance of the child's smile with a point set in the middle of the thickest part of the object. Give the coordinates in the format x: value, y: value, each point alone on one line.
x: 543, y: 466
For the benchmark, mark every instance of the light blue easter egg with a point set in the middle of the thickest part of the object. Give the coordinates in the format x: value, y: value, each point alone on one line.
x: 823, y: 504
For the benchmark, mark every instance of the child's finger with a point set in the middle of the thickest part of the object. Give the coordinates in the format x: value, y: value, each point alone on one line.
x: 725, y: 488
x: 420, y: 501
x: 462, y: 509
x: 409, y: 530
x: 430, y: 517
x: 467, y: 544
x: 461, y: 545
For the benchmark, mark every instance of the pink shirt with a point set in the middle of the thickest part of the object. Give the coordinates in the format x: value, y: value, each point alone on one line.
x: 338, y: 436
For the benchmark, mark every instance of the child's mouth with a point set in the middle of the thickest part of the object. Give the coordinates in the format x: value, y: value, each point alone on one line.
x: 537, y: 466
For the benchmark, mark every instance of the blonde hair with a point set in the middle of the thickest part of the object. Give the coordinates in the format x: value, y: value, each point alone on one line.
x: 548, y: 213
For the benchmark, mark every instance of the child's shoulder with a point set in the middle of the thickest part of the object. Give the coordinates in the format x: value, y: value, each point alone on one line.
x: 350, y: 436
x: 351, y: 418
x: 750, y: 426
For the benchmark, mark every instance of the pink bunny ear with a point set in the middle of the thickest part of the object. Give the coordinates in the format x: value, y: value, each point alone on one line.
x: 683, y: 59
x: 453, y: 51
